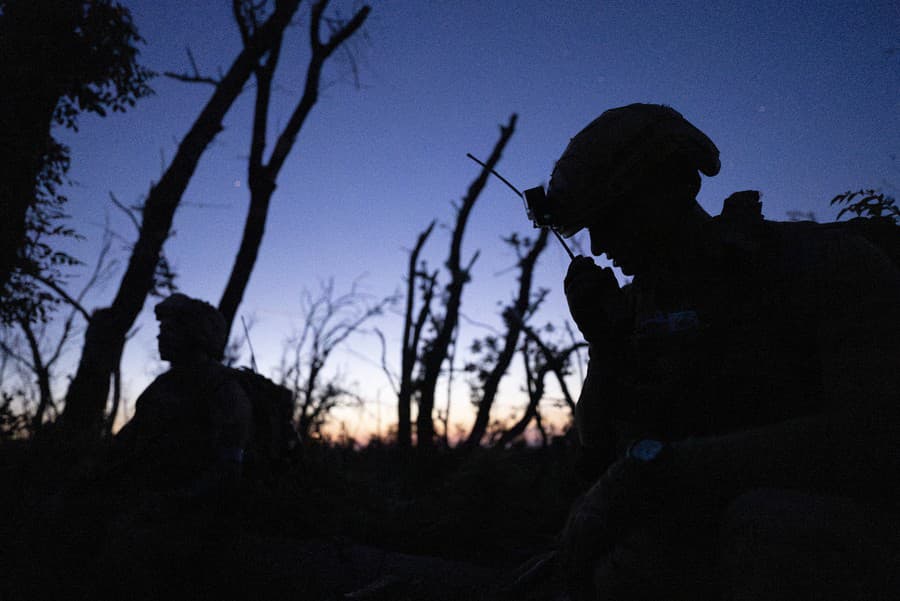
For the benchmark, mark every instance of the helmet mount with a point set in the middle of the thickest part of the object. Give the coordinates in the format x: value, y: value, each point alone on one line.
x: 537, y: 207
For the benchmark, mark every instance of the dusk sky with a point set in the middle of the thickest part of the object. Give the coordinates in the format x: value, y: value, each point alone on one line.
x: 801, y: 98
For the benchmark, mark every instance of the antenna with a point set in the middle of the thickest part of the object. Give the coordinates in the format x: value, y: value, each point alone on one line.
x: 250, y: 345
x: 527, y: 207
x: 502, y: 179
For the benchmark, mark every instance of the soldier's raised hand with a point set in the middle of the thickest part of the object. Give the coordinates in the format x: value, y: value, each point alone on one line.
x: 594, y: 298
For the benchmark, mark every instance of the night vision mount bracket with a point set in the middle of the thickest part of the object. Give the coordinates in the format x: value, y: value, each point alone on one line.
x: 537, y: 205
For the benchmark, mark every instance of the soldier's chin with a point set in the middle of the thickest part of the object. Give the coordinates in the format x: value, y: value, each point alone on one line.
x: 626, y: 267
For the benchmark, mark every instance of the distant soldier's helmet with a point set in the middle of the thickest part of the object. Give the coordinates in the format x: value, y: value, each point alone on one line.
x: 617, y: 154
x: 199, y: 321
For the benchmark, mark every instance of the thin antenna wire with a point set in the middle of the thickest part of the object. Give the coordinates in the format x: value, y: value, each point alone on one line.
x: 564, y: 245
x: 502, y: 179
x: 516, y: 190
x: 249, y: 344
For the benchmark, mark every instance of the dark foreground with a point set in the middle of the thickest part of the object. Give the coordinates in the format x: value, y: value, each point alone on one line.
x: 340, y: 524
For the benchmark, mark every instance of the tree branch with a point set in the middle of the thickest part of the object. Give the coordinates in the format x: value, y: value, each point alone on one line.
x: 514, y: 317
x: 196, y: 77
x: 129, y: 212
x: 340, y: 35
x: 12, y: 353
x: 384, y: 366
x: 311, y: 89
x: 62, y: 293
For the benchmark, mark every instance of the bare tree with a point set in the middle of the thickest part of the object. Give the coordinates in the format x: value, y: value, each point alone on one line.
x: 437, y: 347
x: 262, y: 176
x: 541, y: 359
x: 106, y: 333
x: 534, y: 385
x: 413, y: 324
x: 328, y: 322
x: 514, y: 316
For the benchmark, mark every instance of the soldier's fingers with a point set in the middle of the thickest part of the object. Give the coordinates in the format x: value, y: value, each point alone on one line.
x: 587, y: 286
x: 578, y: 267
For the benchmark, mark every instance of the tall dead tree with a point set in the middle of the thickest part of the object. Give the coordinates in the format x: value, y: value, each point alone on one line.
x: 436, y: 350
x: 412, y: 334
x: 105, y: 337
x: 262, y: 176
x: 514, y: 318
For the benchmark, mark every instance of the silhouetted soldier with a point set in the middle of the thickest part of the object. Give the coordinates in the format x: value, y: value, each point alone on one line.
x: 193, y: 423
x: 743, y: 398
x: 179, y: 460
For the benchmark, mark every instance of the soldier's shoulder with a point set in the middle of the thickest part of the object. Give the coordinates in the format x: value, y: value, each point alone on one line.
x: 162, y: 382
x: 220, y: 376
x: 209, y: 377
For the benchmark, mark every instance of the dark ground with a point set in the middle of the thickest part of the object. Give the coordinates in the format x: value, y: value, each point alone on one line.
x: 370, y: 522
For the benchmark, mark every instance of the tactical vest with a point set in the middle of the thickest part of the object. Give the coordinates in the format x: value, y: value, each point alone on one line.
x: 732, y: 346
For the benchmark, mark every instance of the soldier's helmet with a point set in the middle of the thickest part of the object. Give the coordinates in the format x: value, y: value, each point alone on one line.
x: 200, y: 323
x: 615, y: 155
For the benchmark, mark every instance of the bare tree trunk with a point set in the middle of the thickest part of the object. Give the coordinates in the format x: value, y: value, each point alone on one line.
x: 308, y: 408
x: 521, y: 310
x: 42, y: 374
x: 535, y: 394
x: 116, y: 399
x: 555, y: 362
x: 412, y: 334
x: 539, y: 424
x: 106, y: 332
x: 436, y: 353
x: 261, y: 177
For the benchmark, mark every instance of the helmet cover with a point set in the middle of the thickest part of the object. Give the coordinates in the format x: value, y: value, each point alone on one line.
x: 615, y: 155
x: 200, y: 322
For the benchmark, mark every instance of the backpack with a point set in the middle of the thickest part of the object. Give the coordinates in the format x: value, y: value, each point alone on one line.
x: 275, y: 442
x: 883, y: 232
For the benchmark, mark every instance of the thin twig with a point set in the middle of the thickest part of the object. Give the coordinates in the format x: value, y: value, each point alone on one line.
x: 62, y: 293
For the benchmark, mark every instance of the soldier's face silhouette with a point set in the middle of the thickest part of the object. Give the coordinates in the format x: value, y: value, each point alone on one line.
x: 638, y: 235
x: 173, y: 343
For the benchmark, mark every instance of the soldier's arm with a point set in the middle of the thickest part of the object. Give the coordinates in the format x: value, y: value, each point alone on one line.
x: 600, y: 311
x: 592, y: 415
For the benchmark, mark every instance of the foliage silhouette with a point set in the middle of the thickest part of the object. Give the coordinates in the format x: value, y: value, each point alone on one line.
x: 61, y: 58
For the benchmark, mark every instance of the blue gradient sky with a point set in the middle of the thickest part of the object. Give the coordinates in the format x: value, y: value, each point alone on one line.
x: 800, y: 97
